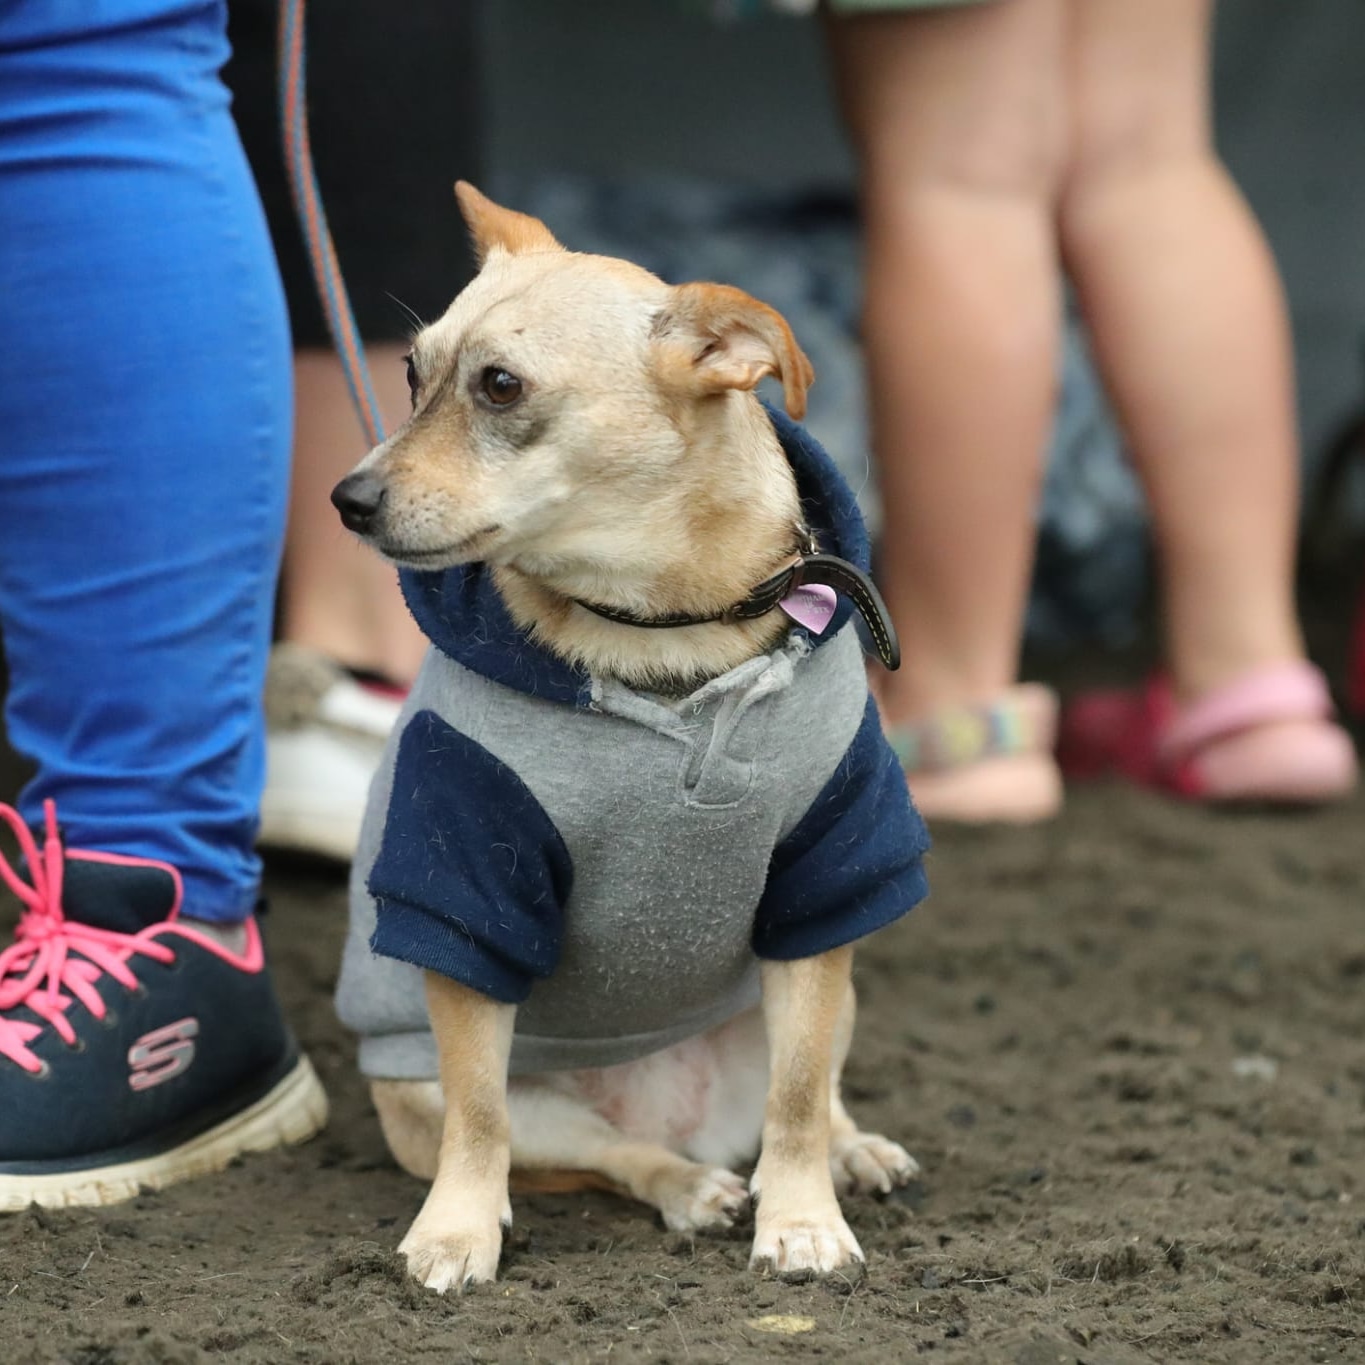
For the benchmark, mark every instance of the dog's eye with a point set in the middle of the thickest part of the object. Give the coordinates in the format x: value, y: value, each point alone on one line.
x: 412, y: 375
x: 500, y: 387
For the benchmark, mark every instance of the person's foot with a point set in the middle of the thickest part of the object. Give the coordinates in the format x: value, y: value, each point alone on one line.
x: 325, y: 735
x: 986, y: 764
x: 137, y: 1047
x: 1267, y: 736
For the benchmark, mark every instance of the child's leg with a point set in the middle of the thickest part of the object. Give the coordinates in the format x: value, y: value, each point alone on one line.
x: 1189, y: 326
x: 338, y: 596
x: 1190, y: 330
x: 958, y: 122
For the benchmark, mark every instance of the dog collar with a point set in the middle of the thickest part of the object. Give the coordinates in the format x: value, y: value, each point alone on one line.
x: 812, y: 570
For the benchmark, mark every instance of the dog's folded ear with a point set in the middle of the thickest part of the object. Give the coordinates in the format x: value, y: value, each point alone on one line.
x: 494, y: 228
x: 711, y: 337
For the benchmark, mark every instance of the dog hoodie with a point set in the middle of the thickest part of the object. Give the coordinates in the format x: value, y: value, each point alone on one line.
x: 615, y: 862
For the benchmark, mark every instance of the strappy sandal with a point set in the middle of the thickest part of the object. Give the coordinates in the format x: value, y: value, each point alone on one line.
x: 1268, y: 736
x: 985, y: 764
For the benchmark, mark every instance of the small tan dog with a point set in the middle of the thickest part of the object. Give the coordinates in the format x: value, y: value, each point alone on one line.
x: 607, y: 535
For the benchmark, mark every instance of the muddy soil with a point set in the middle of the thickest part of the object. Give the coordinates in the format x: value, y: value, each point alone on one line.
x: 1125, y: 1048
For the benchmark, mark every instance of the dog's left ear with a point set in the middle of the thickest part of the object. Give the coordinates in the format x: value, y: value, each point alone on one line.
x: 494, y: 228
x: 712, y: 337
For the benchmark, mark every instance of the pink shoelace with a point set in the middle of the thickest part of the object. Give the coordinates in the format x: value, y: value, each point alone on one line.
x: 41, y: 968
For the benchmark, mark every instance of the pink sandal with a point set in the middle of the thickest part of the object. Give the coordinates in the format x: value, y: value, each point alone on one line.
x: 1267, y: 736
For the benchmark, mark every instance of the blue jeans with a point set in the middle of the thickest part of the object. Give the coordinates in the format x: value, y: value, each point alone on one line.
x: 145, y: 418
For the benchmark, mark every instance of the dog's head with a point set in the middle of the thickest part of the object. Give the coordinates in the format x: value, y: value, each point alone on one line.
x: 556, y: 399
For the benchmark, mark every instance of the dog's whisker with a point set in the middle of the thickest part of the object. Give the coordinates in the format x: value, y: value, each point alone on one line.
x: 416, y: 321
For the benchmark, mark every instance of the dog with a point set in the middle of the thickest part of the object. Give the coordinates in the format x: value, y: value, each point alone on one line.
x: 640, y: 769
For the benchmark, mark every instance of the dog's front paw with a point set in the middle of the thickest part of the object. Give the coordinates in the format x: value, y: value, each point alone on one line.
x: 798, y: 1248
x: 452, y: 1258
x: 702, y: 1199
x: 868, y: 1163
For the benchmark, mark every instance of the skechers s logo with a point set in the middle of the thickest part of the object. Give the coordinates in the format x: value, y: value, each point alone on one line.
x: 163, y: 1053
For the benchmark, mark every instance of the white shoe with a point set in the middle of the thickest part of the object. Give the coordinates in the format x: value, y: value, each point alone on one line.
x: 325, y: 735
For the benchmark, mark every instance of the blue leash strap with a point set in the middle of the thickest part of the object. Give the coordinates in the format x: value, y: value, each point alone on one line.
x: 303, y: 185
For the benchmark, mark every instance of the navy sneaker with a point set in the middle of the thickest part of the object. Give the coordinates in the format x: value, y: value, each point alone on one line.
x: 135, y: 1050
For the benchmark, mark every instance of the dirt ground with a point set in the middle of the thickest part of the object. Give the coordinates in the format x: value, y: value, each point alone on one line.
x: 1126, y: 1050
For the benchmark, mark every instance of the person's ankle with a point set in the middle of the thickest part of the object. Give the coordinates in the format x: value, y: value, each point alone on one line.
x: 1197, y: 674
x: 232, y: 938
x: 912, y: 701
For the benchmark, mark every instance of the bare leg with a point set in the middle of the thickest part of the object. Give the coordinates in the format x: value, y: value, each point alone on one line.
x: 339, y: 597
x: 959, y: 123
x: 1190, y: 329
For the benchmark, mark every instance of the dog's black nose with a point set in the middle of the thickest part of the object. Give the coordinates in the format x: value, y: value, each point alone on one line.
x: 358, y: 497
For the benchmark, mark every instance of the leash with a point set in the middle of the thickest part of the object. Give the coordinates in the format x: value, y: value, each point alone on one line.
x: 317, y: 237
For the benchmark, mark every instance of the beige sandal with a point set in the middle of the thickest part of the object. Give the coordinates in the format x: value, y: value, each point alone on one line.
x: 990, y: 763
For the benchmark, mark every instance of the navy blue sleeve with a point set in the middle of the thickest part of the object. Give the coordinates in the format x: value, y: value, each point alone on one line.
x: 854, y: 863
x: 472, y: 877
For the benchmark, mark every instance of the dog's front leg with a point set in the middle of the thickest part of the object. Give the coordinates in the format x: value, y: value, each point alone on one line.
x: 798, y: 1226
x: 457, y: 1237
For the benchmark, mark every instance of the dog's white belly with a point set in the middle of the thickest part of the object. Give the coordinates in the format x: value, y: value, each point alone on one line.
x: 702, y: 1098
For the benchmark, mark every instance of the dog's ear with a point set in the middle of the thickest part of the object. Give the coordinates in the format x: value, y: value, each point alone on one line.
x: 712, y: 337
x: 494, y: 228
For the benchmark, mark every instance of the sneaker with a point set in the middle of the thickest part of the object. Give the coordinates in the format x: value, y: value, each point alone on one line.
x: 135, y: 1049
x: 325, y: 736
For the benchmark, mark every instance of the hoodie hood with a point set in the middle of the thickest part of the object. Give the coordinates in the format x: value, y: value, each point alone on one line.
x: 460, y: 612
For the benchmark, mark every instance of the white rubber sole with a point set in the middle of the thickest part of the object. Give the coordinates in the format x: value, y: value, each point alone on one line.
x: 322, y: 833
x: 317, y: 785
x: 294, y: 1111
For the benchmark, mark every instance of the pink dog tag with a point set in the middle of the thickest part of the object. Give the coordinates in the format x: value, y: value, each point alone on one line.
x: 811, y: 606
